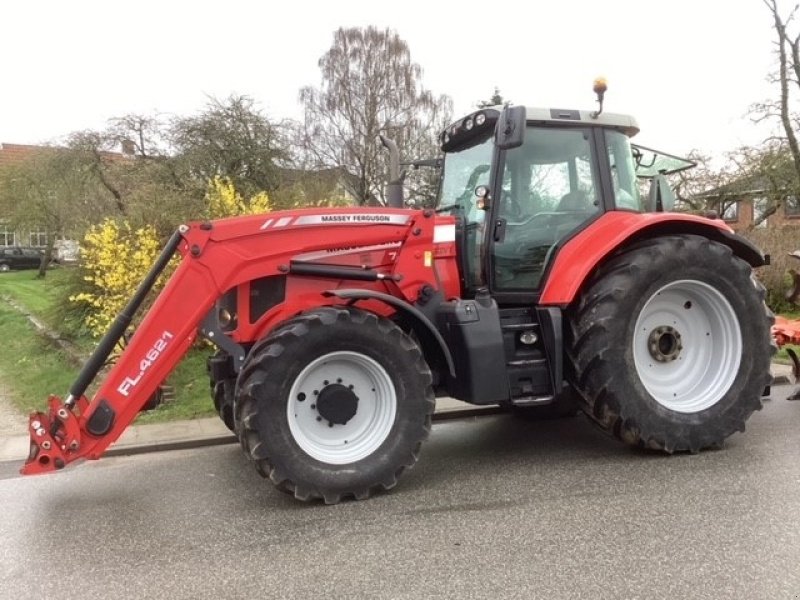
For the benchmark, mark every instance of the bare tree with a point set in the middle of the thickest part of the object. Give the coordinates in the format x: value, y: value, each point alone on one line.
x: 705, y: 187
x: 788, y: 79
x: 370, y: 86
x: 231, y: 138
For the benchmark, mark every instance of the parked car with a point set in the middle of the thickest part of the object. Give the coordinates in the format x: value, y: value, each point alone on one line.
x: 17, y: 257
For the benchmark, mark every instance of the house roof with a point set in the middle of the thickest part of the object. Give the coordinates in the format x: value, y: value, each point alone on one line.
x: 14, y: 154
x: 744, y: 186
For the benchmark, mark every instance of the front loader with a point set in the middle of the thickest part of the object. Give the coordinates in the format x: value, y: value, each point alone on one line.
x: 544, y: 278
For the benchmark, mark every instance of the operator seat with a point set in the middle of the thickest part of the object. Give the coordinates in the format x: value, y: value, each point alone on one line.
x: 574, y: 201
x: 574, y: 208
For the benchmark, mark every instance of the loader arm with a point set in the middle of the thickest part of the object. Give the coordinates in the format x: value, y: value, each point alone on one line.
x: 214, y: 257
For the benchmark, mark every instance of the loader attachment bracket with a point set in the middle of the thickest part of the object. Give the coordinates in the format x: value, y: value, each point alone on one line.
x: 55, y: 438
x: 211, y: 331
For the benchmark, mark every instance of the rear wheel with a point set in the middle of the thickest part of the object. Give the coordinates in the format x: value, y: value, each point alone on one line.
x: 670, y: 344
x: 334, y: 404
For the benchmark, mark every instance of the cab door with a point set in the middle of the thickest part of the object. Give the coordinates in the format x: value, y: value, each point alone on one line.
x: 545, y: 191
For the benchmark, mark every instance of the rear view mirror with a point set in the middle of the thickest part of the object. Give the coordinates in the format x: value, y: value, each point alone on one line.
x: 510, y: 130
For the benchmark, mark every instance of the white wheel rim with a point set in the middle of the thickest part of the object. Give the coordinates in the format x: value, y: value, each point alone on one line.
x: 708, y: 355
x: 365, y: 431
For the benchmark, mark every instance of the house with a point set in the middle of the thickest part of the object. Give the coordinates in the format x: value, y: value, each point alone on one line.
x: 744, y: 202
x: 16, y: 154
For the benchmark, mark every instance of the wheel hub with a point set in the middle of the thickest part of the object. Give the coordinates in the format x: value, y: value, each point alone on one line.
x: 337, y: 404
x: 664, y: 343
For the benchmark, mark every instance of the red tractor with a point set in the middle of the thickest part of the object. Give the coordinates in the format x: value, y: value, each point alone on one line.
x: 544, y: 279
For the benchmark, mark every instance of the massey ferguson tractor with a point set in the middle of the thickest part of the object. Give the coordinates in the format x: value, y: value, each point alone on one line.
x: 543, y: 279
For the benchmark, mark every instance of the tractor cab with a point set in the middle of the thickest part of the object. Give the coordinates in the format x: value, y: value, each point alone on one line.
x: 521, y: 182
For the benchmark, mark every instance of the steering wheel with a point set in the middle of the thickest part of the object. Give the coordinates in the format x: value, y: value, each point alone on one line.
x: 511, y: 209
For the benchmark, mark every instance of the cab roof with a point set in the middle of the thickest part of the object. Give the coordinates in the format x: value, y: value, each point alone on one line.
x: 625, y: 123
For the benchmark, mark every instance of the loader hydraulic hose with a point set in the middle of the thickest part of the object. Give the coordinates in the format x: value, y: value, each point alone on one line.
x: 122, y: 321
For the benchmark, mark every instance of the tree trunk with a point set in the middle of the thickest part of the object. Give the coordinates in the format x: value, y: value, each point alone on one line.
x: 47, y: 257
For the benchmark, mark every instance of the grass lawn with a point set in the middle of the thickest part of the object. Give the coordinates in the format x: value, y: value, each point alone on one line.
x: 32, y: 367
x: 37, y: 295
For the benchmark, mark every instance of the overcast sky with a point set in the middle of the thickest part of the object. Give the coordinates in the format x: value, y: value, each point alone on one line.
x: 686, y: 69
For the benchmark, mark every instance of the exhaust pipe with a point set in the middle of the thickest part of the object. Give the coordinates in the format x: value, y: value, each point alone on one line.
x: 394, y: 187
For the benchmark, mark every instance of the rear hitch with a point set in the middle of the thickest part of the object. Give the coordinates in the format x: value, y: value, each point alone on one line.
x: 55, y: 437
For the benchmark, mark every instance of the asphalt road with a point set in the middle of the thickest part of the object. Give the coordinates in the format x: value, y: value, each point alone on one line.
x: 496, y: 508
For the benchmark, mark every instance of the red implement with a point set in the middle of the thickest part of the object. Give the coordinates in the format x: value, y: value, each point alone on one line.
x: 786, y: 331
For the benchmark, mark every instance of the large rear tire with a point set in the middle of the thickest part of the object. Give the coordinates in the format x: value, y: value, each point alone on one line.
x: 334, y: 404
x: 670, y: 345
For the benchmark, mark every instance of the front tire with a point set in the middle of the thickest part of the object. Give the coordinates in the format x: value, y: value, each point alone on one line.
x: 334, y: 404
x: 670, y: 344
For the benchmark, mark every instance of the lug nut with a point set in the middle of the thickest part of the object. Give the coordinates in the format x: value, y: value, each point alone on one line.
x: 36, y: 425
x: 40, y: 431
x: 45, y: 445
x: 74, y: 445
x: 62, y: 413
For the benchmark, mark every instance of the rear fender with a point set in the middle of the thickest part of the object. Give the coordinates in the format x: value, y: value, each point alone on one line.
x: 585, y: 252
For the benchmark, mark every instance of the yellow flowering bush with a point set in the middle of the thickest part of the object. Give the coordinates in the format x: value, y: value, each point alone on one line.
x: 116, y: 256
x: 222, y: 200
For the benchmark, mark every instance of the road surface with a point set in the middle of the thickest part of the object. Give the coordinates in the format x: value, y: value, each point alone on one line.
x: 496, y: 508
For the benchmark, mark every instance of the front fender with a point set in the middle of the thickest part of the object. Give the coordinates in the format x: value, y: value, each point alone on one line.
x: 418, y: 319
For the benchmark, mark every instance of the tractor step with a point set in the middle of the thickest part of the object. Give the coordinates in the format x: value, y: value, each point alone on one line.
x: 532, y: 400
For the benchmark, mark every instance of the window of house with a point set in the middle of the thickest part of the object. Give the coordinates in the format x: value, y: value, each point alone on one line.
x: 6, y: 235
x: 791, y: 207
x: 759, y: 210
x: 38, y: 238
x: 729, y: 211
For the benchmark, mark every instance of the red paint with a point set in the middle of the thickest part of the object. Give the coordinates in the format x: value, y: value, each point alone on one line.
x: 232, y: 253
x: 786, y: 331
x: 576, y: 260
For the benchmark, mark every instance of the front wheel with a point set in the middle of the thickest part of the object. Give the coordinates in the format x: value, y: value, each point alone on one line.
x: 670, y: 344
x: 334, y: 404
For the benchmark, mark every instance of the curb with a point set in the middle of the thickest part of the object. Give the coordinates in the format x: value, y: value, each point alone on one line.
x: 221, y: 440
x: 182, y: 435
x: 211, y: 431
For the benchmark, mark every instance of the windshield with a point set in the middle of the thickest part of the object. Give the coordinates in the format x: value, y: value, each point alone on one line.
x: 464, y: 170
